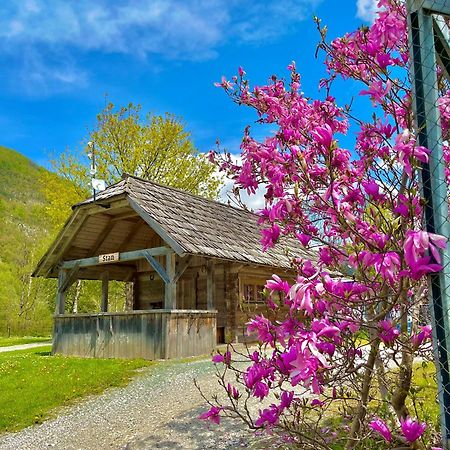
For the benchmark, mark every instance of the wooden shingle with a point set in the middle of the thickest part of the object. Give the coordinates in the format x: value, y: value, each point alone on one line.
x: 200, y: 226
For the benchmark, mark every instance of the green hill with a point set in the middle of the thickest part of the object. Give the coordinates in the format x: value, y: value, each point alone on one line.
x: 24, y: 232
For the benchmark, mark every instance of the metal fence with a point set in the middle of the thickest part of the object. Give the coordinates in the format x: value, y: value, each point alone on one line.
x: 428, y: 26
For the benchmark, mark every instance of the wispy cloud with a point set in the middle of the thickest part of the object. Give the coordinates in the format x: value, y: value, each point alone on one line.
x: 171, y: 29
x: 366, y: 10
x: 254, y: 201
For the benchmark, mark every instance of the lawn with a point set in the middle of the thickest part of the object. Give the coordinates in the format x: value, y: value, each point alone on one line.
x: 33, y: 383
x: 427, y: 406
x: 16, y: 340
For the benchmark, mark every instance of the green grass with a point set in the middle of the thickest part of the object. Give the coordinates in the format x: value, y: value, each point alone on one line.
x: 16, y: 340
x: 33, y: 383
x: 427, y: 408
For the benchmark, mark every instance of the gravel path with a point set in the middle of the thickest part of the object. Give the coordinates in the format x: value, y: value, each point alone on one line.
x: 157, y: 410
x: 12, y: 348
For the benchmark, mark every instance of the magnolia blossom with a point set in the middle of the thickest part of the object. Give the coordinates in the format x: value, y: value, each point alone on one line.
x: 423, y: 335
x: 359, y: 212
x: 412, y: 430
x: 417, y: 243
x: 388, y: 333
x: 222, y: 358
x: 212, y: 415
x: 381, y: 428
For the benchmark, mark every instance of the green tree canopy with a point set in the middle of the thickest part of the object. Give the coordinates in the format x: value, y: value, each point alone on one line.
x: 156, y: 148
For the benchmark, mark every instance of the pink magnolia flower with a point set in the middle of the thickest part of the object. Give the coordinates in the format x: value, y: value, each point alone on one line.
x: 286, y: 399
x: 300, y: 294
x: 270, y: 236
x: 316, y: 402
x: 381, y: 428
x: 372, y: 189
x: 323, y: 135
x: 424, y: 334
x: 416, y: 244
x: 260, y: 390
x: 406, y: 149
x: 411, y: 429
x: 303, y: 238
x: 224, y: 83
x: 263, y: 327
x: 388, y: 265
x: 277, y: 284
x: 387, y: 331
x: 268, y: 416
x: 232, y: 391
x: 222, y: 358
x: 212, y: 415
x: 377, y: 91
x: 216, y: 359
x: 325, y: 256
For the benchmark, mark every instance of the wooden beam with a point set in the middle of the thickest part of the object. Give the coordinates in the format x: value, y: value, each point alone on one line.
x: 73, y: 224
x: 75, y: 221
x: 95, y: 208
x: 124, y: 216
x: 71, y: 276
x: 131, y: 233
x: 181, y: 268
x: 105, y: 283
x: 125, y: 256
x: 176, y: 247
x: 210, y: 284
x: 60, y: 293
x: 101, y: 238
x: 170, y: 292
x: 158, y: 267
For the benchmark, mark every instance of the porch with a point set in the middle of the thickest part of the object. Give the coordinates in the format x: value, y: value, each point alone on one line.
x: 193, y: 269
x: 152, y: 329
x: 155, y: 334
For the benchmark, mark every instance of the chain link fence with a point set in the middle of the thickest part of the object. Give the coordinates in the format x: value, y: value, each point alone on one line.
x: 428, y: 27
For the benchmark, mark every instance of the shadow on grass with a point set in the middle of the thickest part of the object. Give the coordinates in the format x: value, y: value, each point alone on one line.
x: 43, y: 353
x: 186, y: 431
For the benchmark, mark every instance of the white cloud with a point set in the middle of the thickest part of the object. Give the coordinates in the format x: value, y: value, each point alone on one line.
x: 366, y: 9
x: 172, y: 29
x: 254, y: 201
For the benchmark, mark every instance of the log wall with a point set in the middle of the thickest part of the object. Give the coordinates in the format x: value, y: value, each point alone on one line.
x: 157, y: 334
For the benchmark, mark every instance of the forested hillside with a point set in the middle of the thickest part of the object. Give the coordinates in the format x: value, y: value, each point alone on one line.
x: 25, y: 304
x: 34, y: 204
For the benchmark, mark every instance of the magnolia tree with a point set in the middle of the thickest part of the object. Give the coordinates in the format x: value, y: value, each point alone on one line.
x: 342, y: 340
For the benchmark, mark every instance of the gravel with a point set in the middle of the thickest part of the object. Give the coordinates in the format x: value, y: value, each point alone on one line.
x: 157, y: 410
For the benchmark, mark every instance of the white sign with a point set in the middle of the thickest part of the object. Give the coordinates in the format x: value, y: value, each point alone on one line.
x: 108, y: 258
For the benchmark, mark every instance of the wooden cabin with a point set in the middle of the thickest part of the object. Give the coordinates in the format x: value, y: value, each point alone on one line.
x: 196, y: 267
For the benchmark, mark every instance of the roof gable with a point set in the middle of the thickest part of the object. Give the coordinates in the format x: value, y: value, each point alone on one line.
x: 189, y: 224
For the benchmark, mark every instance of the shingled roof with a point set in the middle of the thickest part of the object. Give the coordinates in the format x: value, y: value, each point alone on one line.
x: 195, y: 225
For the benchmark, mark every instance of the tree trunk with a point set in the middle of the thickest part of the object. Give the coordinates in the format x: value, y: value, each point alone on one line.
x: 76, y: 297
x: 129, y: 298
x: 365, y: 388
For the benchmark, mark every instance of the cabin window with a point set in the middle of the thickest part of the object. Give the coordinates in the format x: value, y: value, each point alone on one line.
x: 253, y: 293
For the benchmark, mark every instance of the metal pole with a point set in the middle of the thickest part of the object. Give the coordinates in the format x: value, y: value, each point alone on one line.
x: 434, y: 189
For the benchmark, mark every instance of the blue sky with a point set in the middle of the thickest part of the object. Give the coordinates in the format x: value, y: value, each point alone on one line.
x: 60, y: 58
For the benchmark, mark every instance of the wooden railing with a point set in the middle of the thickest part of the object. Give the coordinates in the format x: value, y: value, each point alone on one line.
x: 153, y: 334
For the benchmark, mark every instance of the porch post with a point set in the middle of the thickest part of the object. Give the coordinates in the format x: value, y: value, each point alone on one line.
x: 61, y: 293
x: 232, y: 300
x: 170, y: 294
x: 105, y: 283
x: 210, y: 285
